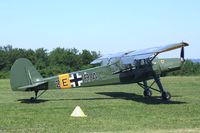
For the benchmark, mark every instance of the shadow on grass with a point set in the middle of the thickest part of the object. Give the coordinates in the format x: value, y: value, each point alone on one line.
x: 128, y: 96
x: 112, y: 95
x: 139, y: 98
x: 29, y: 101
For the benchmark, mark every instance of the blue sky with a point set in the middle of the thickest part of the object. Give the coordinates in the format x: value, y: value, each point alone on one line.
x: 100, y: 25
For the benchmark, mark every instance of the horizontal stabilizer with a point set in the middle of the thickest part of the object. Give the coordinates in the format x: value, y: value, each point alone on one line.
x: 32, y: 87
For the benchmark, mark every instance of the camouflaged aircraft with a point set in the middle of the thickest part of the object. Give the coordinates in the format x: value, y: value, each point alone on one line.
x: 126, y: 67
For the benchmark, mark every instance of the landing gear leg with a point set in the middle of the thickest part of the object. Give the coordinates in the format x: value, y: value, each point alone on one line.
x: 147, y: 91
x: 165, y: 95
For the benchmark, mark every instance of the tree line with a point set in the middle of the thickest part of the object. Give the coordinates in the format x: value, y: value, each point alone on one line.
x: 57, y: 61
x: 189, y: 68
x: 62, y: 60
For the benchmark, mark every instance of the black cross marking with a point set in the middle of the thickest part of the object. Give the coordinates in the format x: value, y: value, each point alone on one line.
x: 76, y: 80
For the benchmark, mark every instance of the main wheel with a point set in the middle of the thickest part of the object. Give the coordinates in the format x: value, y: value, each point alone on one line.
x: 147, y: 93
x: 166, y: 96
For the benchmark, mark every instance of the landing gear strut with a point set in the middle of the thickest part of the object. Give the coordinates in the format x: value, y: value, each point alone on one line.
x: 147, y: 91
x: 165, y: 95
x: 34, y: 98
x: 36, y: 95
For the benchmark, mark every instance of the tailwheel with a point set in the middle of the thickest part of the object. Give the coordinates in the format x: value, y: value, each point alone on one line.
x: 147, y: 93
x: 166, y: 95
x: 36, y: 96
x: 32, y: 99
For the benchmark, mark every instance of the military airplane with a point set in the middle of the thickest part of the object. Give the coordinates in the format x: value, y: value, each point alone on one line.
x: 126, y: 67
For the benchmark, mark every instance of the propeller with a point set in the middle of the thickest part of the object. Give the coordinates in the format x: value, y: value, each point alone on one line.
x: 182, y: 54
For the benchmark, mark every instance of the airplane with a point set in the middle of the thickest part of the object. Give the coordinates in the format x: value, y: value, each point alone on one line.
x: 136, y: 66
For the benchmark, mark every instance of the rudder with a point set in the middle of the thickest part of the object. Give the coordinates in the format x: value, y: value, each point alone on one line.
x: 23, y: 73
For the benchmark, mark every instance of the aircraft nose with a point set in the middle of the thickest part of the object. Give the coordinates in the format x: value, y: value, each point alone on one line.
x: 170, y: 64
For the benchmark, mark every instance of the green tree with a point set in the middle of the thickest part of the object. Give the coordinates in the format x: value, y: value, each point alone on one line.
x: 188, y: 68
x: 86, y: 57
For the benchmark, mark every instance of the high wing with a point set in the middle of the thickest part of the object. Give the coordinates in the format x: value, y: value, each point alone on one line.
x: 129, y: 57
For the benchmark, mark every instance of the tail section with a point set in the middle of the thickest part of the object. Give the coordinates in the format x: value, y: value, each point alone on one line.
x: 24, y: 76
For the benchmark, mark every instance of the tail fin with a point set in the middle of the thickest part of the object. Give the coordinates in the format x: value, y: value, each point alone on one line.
x: 24, y: 75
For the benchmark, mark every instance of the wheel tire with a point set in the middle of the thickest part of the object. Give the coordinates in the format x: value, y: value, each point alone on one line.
x: 166, y: 96
x: 147, y: 93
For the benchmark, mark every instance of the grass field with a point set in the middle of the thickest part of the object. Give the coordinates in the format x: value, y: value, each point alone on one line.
x: 119, y: 108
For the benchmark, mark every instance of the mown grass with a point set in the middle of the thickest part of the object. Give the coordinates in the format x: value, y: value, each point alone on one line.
x: 117, y: 108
